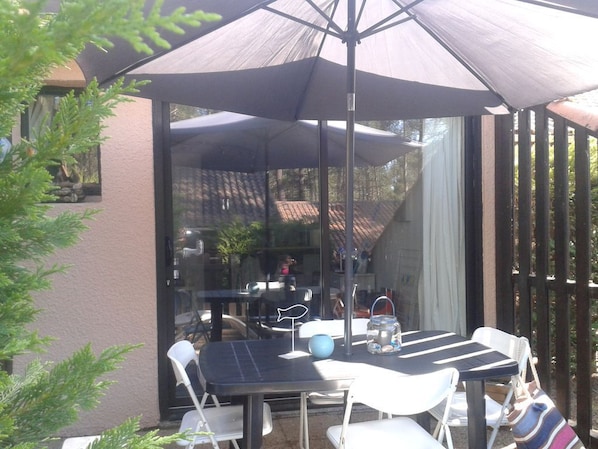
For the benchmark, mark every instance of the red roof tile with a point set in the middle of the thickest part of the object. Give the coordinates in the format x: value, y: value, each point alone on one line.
x: 208, y: 198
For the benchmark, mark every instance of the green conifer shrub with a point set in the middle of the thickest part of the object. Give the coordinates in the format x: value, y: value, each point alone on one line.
x: 49, y: 396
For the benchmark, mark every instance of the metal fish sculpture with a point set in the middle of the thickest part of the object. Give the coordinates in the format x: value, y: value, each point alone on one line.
x: 292, y: 313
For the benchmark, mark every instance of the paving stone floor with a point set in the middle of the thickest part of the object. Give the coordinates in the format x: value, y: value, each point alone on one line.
x: 285, y: 434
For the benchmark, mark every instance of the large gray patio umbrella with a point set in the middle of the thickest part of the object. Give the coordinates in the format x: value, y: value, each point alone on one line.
x: 288, y: 59
x: 382, y: 59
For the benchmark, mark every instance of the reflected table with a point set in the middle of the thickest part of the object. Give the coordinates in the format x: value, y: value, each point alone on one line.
x: 253, y: 368
x: 217, y: 299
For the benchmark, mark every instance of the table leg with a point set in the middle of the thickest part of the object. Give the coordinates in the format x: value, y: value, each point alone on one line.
x: 216, y: 316
x: 246, y: 304
x: 253, y: 421
x: 476, y: 414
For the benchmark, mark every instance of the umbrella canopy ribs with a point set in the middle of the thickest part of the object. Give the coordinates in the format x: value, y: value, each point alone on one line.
x: 368, y: 60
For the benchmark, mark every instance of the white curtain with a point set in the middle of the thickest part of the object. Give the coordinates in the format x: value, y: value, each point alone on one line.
x: 442, y: 284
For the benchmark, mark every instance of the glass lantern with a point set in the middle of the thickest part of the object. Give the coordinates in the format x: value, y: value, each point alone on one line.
x: 384, y: 331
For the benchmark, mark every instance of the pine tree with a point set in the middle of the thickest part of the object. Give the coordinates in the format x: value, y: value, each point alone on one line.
x: 32, y: 43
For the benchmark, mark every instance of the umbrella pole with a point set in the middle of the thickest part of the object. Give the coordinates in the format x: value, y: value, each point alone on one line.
x: 267, y: 218
x: 325, y: 309
x: 351, y: 39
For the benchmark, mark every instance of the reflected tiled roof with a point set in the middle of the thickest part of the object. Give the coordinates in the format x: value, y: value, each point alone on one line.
x: 370, y: 218
x: 207, y: 198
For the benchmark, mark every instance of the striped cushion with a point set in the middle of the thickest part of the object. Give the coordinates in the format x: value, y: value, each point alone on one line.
x: 536, y: 423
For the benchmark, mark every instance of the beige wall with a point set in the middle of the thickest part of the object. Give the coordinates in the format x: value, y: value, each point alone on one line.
x: 108, y: 297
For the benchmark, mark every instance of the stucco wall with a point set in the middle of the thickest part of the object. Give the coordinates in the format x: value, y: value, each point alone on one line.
x: 108, y: 297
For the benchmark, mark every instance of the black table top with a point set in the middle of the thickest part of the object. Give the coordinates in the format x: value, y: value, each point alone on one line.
x: 236, y: 295
x: 254, y: 366
x: 231, y: 295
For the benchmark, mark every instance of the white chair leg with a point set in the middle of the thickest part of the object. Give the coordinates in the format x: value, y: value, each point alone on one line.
x: 303, y: 422
x: 449, y: 438
x: 443, y: 433
x: 493, y: 436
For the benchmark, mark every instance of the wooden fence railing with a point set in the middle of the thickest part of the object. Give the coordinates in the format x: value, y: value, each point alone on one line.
x: 551, y: 230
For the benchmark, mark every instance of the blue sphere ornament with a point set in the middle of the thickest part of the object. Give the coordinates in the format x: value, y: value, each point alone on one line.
x: 253, y: 287
x: 321, y: 345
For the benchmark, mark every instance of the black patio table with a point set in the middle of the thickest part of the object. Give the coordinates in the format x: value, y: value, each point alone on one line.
x: 253, y: 368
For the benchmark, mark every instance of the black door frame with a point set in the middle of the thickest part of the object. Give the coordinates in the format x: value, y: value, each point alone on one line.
x: 164, y: 243
x: 164, y: 254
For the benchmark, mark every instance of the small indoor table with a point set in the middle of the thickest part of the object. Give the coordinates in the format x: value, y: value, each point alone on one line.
x: 217, y: 299
x: 253, y: 368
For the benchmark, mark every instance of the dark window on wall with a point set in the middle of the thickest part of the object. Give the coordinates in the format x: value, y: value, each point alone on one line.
x: 76, y: 181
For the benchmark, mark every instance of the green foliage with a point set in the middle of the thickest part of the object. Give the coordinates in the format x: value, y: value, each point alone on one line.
x: 125, y: 436
x: 64, y: 388
x: 236, y: 238
x: 32, y: 43
x: 291, y: 233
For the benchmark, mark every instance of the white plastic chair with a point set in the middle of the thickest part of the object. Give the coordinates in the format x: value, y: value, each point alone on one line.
x: 334, y: 328
x: 518, y: 349
x: 79, y: 442
x: 220, y: 423
x: 400, y: 395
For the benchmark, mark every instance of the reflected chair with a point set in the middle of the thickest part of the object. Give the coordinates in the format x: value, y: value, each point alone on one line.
x: 399, y: 395
x: 265, y: 285
x: 518, y: 349
x: 271, y: 328
x: 219, y: 423
x: 334, y: 328
x: 253, y: 311
x: 338, y: 308
x: 193, y: 325
x: 197, y: 325
x: 79, y: 442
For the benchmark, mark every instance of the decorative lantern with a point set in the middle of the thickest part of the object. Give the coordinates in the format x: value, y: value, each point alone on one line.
x: 384, y: 331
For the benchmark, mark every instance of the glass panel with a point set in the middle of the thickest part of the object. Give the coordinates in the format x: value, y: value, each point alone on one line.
x: 77, y: 179
x: 235, y: 228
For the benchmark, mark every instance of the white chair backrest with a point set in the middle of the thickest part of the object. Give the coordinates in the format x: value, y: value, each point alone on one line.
x: 359, y: 326
x: 272, y: 285
x: 303, y: 294
x: 517, y: 348
x: 79, y: 442
x: 181, y: 354
x: 334, y: 328
x: 400, y: 394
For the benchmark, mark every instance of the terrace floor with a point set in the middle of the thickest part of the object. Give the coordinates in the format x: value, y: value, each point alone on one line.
x: 285, y: 434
